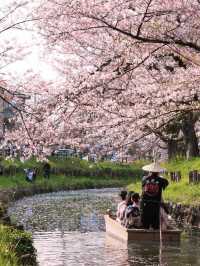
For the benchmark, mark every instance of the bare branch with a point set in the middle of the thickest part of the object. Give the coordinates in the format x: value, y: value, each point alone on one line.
x: 19, y: 23
x: 143, y: 18
x: 12, y: 11
x: 147, y: 39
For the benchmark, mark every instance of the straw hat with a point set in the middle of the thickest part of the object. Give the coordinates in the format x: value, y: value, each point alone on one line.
x: 153, y: 167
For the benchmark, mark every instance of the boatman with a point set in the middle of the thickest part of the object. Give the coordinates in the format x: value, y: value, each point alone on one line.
x: 152, y: 187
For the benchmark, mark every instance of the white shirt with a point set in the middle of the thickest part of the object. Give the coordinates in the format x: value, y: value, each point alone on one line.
x: 121, y: 210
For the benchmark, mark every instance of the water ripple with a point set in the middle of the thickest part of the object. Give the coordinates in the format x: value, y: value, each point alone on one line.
x: 68, y: 230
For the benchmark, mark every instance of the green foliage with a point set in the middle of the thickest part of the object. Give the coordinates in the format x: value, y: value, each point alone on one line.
x: 14, y: 244
x: 95, y: 176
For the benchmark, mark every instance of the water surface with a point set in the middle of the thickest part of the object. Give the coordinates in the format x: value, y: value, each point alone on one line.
x: 68, y: 230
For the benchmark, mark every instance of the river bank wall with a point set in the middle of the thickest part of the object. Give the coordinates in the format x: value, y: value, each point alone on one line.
x: 185, y: 215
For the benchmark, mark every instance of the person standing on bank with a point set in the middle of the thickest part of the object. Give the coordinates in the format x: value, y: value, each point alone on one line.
x: 47, y: 170
x: 152, y: 186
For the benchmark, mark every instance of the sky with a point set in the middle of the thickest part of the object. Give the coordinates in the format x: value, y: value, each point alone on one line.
x: 32, y: 56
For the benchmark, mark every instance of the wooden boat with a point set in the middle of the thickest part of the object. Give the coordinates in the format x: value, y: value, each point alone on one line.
x: 116, y: 230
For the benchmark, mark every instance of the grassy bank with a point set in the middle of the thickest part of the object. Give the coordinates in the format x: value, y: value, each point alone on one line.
x: 15, y: 247
x: 70, y: 173
x: 63, y: 182
x: 181, y: 192
x: 73, y: 173
x: 71, y: 167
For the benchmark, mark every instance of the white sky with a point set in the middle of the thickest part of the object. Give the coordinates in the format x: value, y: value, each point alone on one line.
x: 33, y: 60
x: 37, y: 64
x: 16, y: 38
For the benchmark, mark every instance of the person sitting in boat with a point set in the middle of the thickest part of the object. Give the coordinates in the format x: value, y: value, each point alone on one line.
x: 132, y: 212
x: 128, y: 207
x: 121, y: 206
x: 152, y: 187
x: 136, y: 200
x: 129, y: 201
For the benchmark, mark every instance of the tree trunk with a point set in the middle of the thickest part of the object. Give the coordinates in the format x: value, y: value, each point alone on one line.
x: 190, y: 138
x: 172, y: 148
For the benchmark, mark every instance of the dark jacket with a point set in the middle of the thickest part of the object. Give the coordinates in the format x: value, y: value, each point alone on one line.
x: 152, y: 187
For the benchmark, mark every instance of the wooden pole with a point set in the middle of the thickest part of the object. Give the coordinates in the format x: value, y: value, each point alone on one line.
x: 160, y: 248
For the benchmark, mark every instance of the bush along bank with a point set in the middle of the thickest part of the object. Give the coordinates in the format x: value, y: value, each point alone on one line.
x: 16, y: 246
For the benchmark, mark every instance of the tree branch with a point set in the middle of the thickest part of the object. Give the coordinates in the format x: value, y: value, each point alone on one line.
x: 143, y: 18
x: 146, y: 39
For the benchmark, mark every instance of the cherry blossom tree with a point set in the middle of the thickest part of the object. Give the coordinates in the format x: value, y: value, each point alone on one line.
x: 16, y: 85
x: 128, y: 69
x: 129, y: 66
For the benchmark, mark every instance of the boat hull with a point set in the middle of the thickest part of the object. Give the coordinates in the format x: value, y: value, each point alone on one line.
x: 116, y: 230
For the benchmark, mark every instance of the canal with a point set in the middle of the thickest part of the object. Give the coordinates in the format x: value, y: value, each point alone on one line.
x: 68, y: 230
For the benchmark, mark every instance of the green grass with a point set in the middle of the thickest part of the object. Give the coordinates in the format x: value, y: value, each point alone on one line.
x: 183, y: 192
x: 64, y: 182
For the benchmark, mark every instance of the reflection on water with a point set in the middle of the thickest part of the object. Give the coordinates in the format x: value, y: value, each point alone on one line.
x: 94, y: 248
x: 68, y: 229
x: 77, y: 249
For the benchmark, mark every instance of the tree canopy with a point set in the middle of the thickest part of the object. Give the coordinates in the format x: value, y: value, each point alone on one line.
x: 127, y: 69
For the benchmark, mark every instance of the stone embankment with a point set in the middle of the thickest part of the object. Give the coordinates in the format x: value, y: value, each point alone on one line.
x: 185, y: 215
